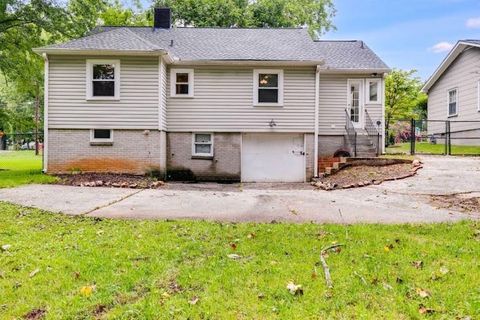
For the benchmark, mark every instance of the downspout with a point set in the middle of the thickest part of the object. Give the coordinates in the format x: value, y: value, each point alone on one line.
x: 45, y: 114
x: 315, y: 137
x: 383, y: 114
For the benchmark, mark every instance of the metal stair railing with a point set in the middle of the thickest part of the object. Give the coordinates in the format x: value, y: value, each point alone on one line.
x: 372, y: 131
x: 351, y: 132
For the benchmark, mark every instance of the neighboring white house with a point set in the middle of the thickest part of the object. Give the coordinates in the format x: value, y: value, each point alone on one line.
x: 233, y: 104
x: 454, y: 95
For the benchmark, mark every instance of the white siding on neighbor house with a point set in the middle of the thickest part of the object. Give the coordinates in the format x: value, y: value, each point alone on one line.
x: 223, y: 101
x: 136, y: 109
x: 463, y: 74
x: 333, y: 102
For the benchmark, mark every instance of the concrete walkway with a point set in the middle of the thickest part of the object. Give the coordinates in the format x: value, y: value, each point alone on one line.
x: 391, y: 202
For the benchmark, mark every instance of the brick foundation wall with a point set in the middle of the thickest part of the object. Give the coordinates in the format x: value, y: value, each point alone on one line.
x: 132, y: 152
x: 225, y: 164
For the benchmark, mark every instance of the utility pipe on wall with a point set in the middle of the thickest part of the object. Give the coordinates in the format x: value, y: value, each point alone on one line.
x: 45, y: 114
x: 315, y: 137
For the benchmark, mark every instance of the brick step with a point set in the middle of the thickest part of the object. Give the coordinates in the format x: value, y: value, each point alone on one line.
x: 327, y: 164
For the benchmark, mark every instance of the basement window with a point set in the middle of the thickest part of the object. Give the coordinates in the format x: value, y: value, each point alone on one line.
x: 181, y: 83
x: 103, y: 79
x: 202, y: 145
x: 268, y: 87
x: 101, y: 137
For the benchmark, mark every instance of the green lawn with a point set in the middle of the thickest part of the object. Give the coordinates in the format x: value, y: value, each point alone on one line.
x: 428, y: 148
x: 83, y: 268
x: 21, y: 167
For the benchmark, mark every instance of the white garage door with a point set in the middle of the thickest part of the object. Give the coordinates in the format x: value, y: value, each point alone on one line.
x: 273, y: 157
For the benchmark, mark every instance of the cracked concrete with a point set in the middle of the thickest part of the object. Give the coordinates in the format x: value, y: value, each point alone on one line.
x: 399, y: 201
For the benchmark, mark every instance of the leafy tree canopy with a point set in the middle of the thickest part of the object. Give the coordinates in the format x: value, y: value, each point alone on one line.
x: 315, y: 14
x: 403, y: 96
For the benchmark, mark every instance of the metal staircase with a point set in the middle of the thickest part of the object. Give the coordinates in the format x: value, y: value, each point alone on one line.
x: 363, y: 143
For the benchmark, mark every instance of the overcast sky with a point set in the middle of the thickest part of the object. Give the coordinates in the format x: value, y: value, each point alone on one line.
x: 408, y: 34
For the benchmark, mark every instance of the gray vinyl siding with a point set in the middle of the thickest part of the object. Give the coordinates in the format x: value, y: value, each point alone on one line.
x: 136, y: 109
x: 163, y: 97
x: 223, y: 102
x: 461, y: 75
x: 333, y: 102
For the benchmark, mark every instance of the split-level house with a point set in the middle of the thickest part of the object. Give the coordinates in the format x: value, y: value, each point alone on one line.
x: 257, y: 104
x: 454, y: 95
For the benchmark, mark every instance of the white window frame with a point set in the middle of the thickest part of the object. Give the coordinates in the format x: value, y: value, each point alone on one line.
x: 89, y: 75
x: 195, y: 154
x: 256, y: 73
x: 448, y: 102
x: 173, y: 82
x: 94, y: 140
x: 379, y: 91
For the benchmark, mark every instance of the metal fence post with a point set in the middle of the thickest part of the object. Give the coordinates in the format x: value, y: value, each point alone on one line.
x: 412, y: 136
x: 378, y: 144
x: 449, y: 139
x: 355, y: 146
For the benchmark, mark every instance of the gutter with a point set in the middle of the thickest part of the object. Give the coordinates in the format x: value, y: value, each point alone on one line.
x: 99, y: 52
x: 355, y: 71
x: 45, y: 113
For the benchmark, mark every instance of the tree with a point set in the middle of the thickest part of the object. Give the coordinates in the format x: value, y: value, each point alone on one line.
x: 403, y: 96
x: 116, y: 15
x: 315, y: 14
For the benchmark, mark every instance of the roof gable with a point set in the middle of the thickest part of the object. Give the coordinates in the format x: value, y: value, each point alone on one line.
x: 459, y: 47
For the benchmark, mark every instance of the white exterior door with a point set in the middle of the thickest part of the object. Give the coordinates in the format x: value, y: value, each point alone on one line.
x: 355, y: 102
x: 273, y: 157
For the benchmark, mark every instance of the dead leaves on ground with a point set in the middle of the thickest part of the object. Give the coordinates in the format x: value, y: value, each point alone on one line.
x: 35, y: 314
x: 87, y: 291
x: 295, y: 289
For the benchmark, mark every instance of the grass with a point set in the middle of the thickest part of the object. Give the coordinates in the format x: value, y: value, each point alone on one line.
x: 21, y: 167
x: 428, y: 148
x: 153, y: 269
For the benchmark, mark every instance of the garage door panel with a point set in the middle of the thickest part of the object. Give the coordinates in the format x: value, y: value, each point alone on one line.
x: 273, y: 158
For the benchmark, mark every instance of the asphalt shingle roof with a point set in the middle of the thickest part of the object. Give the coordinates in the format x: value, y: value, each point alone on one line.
x: 352, y: 54
x: 255, y: 44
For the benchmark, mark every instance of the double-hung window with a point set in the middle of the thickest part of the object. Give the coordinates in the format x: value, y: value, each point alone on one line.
x: 202, y: 145
x: 374, y: 91
x: 181, y: 82
x: 103, y: 79
x: 268, y: 87
x: 452, y: 102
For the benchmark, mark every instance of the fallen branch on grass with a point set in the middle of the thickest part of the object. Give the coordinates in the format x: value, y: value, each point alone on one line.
x: 326, y: 269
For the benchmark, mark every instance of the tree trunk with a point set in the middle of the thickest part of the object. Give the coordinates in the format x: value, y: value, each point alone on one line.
x: 37, y: 110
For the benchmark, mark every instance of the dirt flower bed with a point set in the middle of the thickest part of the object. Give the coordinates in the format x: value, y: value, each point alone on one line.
x: 458, y: 202
x: 353, y: 176
x: 109, y: 180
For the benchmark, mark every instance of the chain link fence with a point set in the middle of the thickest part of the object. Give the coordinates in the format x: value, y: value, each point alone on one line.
x: 21, y: 141
x: 440, y: 137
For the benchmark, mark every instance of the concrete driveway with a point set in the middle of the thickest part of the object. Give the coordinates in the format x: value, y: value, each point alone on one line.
x: 400, y: 201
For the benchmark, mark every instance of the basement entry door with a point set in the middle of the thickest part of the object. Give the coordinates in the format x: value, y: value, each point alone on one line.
x: 273, y: 157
